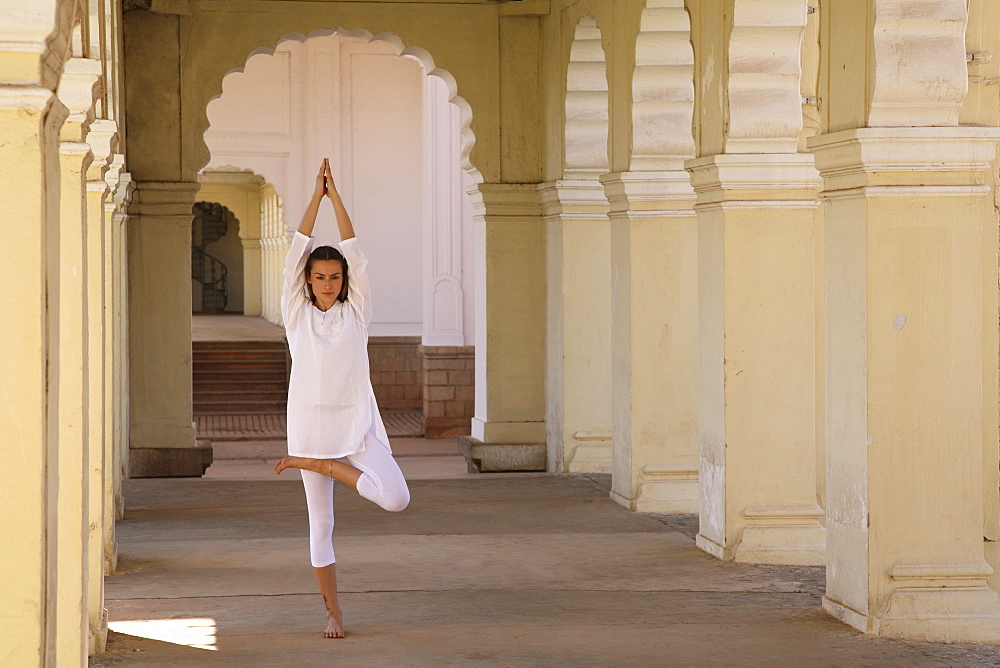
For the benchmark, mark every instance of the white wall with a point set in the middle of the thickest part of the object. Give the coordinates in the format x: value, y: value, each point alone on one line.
x: 393, y: 140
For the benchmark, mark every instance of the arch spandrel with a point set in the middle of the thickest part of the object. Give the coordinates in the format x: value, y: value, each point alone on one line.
x: 663, y: 88
x: 205, y: 76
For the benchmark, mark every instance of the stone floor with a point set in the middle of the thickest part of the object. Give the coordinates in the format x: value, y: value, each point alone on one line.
x: 234, y: 327
x: 480, y: 570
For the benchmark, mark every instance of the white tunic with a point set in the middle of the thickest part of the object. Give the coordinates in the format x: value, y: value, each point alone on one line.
x: 331, y: 404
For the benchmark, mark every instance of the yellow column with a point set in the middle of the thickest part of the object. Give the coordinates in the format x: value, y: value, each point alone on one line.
x: 508, y: 430
x: 578, y: 332
x: 654, y: 262
x: 757, y: 304
x: 30, y: 118
x: 162, y: 438
x: 101, y: 139
x: 72, y: 370
x: 906, y: 212
x: 112, y: 387
x: 123, y: 199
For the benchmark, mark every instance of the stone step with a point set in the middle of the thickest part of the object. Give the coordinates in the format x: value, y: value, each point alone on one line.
x: 201, y: 396
x: 239, y: 365
x: 238, y: 375
x: 211, y: 355
x: 213, y: 384
x: 237, y: 408
x: 238, y: 345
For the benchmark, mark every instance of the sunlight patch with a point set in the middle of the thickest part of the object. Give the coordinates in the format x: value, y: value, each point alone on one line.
x: 193, y: 632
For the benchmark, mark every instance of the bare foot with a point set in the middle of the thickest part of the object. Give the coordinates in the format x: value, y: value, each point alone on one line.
x: 286, y: 463
x: 334, y: 622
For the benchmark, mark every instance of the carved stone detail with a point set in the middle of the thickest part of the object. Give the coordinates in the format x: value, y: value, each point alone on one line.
x: 921, y: 74
x: 586, y: 153
x: 663, y: 88
x: 765, y: 66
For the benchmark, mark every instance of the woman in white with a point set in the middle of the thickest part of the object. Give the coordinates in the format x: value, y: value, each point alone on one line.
x: 334, y: 428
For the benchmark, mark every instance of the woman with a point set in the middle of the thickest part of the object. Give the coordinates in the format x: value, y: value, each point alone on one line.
x: 334, y: 428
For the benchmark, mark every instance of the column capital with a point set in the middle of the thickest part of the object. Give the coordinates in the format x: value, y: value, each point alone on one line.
x: 916, y: 156
x: 505, y: 200
x: 103, y: 140
x: 164, y: 199
x: 782, y: 180
x: 113, y: 176
x: 581, y: 198
x: 78, y: 88
x: 652, y: 194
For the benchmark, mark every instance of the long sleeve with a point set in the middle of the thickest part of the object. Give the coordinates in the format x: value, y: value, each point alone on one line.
x: 358, y: 287
x: 294, y: 294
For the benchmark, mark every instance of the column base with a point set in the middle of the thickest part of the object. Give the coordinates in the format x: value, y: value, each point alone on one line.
x: 671, y: 491
x: 777, y: 536
x: 591, y: 458
x: 932, y: 615
x: 170, y: 462
x: 97, y: 640
x: 783, y: 536
x: 708, y: 545
x: 497, y: 457
x: 110, y: 557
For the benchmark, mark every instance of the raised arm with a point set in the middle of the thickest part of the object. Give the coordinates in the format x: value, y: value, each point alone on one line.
x: 309, y: 215
x: 343, y: 220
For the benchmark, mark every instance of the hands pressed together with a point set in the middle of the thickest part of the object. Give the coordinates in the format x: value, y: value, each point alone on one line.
x: 324, y: 182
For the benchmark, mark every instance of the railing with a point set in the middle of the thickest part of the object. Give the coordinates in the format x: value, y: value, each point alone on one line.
x: 211, y: 273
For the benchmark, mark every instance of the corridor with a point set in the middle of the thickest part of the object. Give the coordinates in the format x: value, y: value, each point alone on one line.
x: 480, y: 570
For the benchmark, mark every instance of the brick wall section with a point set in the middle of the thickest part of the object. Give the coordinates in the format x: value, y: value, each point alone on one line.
x: 449, y: 391
x: 396, y: 371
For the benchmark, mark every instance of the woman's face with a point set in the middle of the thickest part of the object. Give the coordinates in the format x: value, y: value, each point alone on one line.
x: 326, y: 279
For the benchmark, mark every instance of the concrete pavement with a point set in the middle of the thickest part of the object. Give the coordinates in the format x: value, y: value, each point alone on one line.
x: 487, y: 570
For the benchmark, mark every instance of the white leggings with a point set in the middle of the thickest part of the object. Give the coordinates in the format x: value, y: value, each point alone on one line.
x: 381, y: 482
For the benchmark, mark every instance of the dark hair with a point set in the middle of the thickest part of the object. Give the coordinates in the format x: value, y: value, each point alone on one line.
x: 327, y: 253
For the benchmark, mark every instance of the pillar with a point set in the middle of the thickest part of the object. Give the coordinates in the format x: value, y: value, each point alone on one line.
x: 756, y: 247
x: 101, y: 137
x: 122, y: 201
x: 71, y: 374
x: 30, y: 117
x: 113, y: 387
x: 161, y: 435
x: 654, y: 262
x: 508, y: 430
x: 906, y: 212
x: 578, y: 332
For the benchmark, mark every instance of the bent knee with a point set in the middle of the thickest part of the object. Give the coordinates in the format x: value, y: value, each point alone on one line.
x: 397, y: 502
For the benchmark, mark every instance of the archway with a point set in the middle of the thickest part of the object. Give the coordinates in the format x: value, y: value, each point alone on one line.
x: 389, y: 128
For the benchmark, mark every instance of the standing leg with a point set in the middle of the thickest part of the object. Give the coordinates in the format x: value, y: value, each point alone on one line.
x: 319, y: 499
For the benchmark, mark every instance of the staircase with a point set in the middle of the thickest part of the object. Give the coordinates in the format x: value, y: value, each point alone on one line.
x: 239, y: 377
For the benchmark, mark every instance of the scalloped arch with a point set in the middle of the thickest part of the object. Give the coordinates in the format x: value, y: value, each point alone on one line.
x: 416, y: 53
x: 765, y: 69
x: 921, y: 75
x: 586, y: 130
x: 663, y: 88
